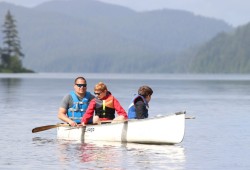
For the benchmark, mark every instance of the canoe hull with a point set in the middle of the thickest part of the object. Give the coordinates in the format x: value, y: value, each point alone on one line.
x: 160, y: 130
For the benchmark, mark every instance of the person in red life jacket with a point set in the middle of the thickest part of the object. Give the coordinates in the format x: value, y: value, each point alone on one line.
x: 138, y: 109
x: 74, y: 104
x: 104, y: 105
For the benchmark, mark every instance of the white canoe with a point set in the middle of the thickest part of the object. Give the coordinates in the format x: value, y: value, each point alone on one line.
x: 158, y: 130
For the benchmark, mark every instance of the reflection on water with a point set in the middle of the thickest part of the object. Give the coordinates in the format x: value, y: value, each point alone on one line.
x: 9, y: 82
x: 41, y: 141
x: 115, y: 155
x: 160, y: 156
x: 8, y: 88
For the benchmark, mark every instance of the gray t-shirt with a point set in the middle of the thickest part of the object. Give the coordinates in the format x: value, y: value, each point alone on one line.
x: 67, y: 101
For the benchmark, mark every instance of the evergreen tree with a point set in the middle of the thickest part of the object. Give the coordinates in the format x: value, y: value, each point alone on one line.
x: 11, y: 52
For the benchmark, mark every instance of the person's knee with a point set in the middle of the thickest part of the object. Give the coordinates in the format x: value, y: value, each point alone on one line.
x: 96, y: 120
x: 119, y: 118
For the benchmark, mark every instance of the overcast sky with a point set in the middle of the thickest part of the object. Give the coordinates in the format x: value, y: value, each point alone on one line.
x: 235, y: 12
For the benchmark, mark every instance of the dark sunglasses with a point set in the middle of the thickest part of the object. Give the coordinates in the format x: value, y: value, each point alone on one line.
x: 81, y: 85
x: 97, y: 93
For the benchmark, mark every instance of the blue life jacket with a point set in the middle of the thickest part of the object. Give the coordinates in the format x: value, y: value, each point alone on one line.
x: 78, y: 108
x: 131, y: 108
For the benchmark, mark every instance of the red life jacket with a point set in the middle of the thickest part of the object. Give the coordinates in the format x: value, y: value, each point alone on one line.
x: 105, y: 108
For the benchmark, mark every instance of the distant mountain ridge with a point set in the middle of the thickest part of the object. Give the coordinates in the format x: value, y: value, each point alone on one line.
x: 91, y: 36
x: 225, y: 53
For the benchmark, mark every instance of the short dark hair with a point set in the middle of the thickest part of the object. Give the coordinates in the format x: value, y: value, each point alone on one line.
x: 145, y: 91
x: 80, y: 78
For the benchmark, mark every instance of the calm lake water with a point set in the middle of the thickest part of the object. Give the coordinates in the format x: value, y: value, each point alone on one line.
x: 217, y: 139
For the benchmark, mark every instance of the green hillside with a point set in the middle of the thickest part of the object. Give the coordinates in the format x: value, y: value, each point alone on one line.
x: 90, y: 36
x: 225, y: 53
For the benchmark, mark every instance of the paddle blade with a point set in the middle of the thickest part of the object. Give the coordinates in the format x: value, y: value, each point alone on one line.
x: 43, y: 128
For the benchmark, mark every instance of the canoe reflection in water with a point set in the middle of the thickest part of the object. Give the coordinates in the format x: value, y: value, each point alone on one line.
x: 117, y: 155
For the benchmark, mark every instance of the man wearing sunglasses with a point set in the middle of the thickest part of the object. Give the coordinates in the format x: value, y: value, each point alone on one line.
x: 75, y: 104
x: 104, y: 106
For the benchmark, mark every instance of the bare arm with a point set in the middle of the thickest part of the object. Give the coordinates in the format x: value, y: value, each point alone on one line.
x: 62, y: 114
